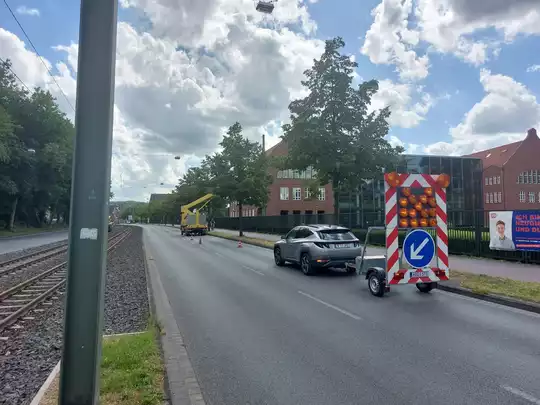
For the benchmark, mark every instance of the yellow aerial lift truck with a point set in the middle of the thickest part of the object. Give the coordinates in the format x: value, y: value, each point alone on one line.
x: 194, y: 222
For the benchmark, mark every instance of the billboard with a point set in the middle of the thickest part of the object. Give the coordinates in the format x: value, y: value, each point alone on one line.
x: 514, y: 230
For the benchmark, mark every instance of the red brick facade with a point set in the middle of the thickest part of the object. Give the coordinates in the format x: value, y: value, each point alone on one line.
x: 286, y: 187
x: 511, y: 177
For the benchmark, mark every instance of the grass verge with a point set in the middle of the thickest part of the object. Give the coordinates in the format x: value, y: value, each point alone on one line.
x: 22, y: 231
x: 132, y: 372
x: 484, y: 284
x: 251, y: 241
x: 478, y: 283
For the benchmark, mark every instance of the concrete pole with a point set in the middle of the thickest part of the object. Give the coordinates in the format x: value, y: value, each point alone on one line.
x: 79, y: 376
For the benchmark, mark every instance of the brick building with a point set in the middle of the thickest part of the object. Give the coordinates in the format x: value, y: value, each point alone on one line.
x: 511, y: 175
x: 288, y: 193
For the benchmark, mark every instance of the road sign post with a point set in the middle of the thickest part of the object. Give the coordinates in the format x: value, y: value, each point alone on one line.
x: 89, y: 203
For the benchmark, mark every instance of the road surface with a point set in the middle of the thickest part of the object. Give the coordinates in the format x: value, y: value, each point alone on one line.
x: 8, y: 245
x: 261, y: 334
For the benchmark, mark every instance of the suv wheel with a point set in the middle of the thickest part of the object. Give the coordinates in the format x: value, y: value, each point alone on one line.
x: 305, y: 264
x: 277, y: 257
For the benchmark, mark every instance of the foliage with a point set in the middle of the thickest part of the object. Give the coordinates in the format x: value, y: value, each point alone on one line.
x: 334, y: 130
x: 36, y: 142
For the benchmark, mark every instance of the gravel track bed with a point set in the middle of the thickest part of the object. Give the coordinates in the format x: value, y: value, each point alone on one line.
x: 23, y: 252
x: 29, y: 354
x: 11, y: 279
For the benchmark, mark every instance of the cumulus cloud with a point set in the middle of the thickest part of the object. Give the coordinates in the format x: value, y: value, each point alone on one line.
x: 202, y: 66
x: 460, y: 27
x: 23, y: 10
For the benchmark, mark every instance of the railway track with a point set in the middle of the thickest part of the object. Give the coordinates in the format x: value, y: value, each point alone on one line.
x: 18, y: 263
x: 21, y: 298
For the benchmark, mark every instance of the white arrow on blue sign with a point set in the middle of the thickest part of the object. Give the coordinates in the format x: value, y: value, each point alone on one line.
x: 418, y: 248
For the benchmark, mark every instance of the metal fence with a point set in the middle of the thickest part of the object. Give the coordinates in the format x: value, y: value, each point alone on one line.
x: 468, y: 231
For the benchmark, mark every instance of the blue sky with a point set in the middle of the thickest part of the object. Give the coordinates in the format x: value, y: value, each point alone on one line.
x: 446, y: 109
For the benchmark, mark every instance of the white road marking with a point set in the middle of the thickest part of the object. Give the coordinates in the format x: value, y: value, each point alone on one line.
x: 521, y: 394
x: 330, y: 306
x: 253, y: 270
x: 219, y: 254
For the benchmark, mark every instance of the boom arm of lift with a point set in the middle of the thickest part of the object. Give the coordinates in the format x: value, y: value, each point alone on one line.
x: 185, y: 209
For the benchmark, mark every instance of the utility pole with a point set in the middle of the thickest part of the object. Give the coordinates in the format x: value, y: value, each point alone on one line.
x: 79, y: 376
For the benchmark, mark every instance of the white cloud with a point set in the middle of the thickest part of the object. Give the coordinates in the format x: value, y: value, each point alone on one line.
x: 460, y: 27
x: 23, y: 10
x: 204, y: 65
x: 533, y: 68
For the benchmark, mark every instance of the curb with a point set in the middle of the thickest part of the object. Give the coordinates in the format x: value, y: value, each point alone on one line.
x: 182, y: 384
x: 496, y: 299
x: 31, y: 234
x: 237, y: 238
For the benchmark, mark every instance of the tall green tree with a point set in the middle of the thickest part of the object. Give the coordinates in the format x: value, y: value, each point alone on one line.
x: 239, y: 173
x: 333, y: 128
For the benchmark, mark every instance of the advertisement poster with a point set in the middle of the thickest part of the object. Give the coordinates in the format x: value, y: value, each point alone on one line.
x: 514, y: 230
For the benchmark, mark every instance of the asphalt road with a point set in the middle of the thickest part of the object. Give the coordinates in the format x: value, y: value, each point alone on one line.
x: 8, y: 245
x: 260, y: 334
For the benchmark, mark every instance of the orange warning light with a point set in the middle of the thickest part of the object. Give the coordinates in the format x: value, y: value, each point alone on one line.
x: 393, y: 179
x: 423, y: 199
x: 412, y: 199
x: 403, y: 212
x: 412, y: 213
x: 428, y: 191
x: 432, y: 222
x: 432, y: 212
x: 403, y: 202
x: 418, y: 206
x: 431, y: 201
x: 414, y: 223
x: 406, y: 191
x: 443, y: 180
x: 404, y: 223
x: 424, y: 214
x: 423, y: 222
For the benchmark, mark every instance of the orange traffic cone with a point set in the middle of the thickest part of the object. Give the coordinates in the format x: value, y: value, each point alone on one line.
x: 239, y: 243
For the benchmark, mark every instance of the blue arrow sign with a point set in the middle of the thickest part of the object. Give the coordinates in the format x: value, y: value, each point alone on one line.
x: 418, y: 248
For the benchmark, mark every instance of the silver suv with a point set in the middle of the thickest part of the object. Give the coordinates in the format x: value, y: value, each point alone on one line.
x: 318, y: 246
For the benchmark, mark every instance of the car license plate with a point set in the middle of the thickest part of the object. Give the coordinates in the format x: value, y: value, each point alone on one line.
x: 419, y: 274
x: 342, y: 245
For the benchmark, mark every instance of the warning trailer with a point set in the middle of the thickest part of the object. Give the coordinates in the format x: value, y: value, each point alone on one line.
x: 415, y: 207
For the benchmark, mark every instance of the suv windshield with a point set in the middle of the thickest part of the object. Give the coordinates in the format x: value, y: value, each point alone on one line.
x: 336, y: 234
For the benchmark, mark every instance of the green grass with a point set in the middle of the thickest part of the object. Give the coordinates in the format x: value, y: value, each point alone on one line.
x: 132, y: 372
x: 484, y: 284
x: 20, y: 230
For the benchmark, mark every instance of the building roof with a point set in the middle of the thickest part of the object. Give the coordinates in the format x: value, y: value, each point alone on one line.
x: 501, y: 154
x: 158, y: 197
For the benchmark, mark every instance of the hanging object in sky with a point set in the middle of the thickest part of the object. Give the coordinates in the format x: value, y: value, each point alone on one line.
x: 265, y: 6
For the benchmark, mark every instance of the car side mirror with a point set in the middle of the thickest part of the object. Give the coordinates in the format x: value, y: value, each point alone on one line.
x: 283, y: 237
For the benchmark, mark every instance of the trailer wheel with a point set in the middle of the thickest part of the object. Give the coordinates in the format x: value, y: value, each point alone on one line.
x: 426, y: 287
x: 376, y: 284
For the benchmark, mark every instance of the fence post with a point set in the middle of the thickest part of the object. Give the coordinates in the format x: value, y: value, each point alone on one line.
x: 478, y: 229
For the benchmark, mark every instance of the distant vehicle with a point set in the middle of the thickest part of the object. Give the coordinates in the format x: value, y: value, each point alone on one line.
x: 194, y: 223
x: 316, y: 247
x: 111, y: 223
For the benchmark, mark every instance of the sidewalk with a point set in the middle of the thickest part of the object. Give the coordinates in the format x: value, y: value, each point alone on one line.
x: 490, y: 267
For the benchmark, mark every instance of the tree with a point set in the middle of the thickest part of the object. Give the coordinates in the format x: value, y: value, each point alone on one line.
x: 333, y: 130
x: 239, y: 173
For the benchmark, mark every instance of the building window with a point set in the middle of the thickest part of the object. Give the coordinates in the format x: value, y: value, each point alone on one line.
x: 486, y: 179
x: 535, y: 177
x: 521, y: 179
x: 498, y: 179
x: 532, y: 196
x: 490, y: 179
x: 307, y: 193
x: 284, y: 193
x: 322, y: 194
x: 491, y: 198
x: 296, y: 193
x: 522, y: 196
x: 487, y: 196
x: 499, y: 197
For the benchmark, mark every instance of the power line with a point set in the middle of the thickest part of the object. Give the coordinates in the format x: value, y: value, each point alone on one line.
x: 38, y: 54
x: 15, y: 74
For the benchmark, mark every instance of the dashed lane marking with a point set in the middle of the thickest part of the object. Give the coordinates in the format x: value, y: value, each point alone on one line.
x: 253, y: 270
x: 521, y: 394
x: 344, y: 312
